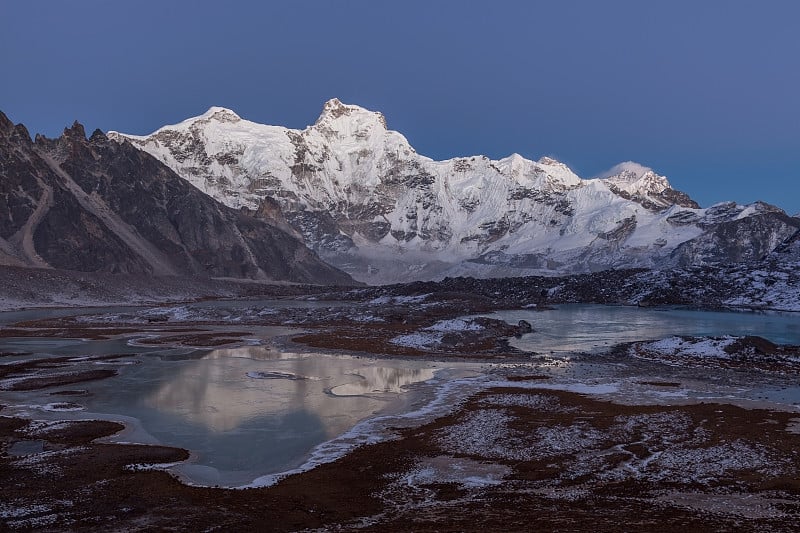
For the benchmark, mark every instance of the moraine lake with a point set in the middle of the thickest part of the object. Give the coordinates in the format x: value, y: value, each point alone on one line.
x: 250, y: 412
x: 588, y: 328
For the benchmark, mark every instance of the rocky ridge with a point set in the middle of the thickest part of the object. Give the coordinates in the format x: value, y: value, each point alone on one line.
x: 367, y: 202
x: 94, y: 205
x: 772, y: 283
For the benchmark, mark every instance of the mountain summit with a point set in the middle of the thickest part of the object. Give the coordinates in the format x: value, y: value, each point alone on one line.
x: 367, y: 202
x: 94, y: 205
x: 334, y: 110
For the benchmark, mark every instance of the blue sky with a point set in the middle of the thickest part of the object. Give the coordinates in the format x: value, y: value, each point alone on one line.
x: 704, y: 92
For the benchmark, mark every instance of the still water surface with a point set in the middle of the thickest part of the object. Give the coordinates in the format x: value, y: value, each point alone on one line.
x: 249, y: 411
x: 242, y: 411
x: 586, y: 328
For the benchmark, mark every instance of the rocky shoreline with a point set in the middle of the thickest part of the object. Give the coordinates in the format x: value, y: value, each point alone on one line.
x: 770, y: 284
x: 532, y: 449
x: 509, y: 458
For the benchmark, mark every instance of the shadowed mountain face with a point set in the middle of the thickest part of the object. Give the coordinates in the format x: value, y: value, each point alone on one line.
x: 94, y: 205
x: 367, y: 202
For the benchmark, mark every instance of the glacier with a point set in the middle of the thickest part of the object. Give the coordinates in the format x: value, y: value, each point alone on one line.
x: 362, y: 197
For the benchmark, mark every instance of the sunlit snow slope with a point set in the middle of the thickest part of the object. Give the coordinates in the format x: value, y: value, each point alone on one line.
x: 362, y: 197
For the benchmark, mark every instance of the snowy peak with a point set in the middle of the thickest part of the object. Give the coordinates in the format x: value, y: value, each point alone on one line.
x: 641, y: 184
x: 546, y: 174
x: 345, y: 118
x: 215, y: 114
x: 220, y: 114
x: 649, y: 183
x: 550, y: 162
x: 516, y: 167
x: 94, y: 205
x: 631, y: 171
x: 634, y: 178
x: 363, y: 198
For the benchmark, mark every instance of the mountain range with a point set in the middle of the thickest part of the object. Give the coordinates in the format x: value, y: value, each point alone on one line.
x: 359, y: 195
x: 95, y: 205
x: 346, y: 198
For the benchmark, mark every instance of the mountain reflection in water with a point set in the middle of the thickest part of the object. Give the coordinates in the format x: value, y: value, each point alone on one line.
x: 382, y: 379
x: 228, y: 387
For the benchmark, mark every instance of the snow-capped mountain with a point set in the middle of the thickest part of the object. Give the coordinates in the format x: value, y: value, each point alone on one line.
x: 368, y: 203
x: 94, y: 205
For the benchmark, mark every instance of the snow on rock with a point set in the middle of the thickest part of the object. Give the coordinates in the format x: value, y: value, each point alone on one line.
x: 485, y: 433
x: 771, y: 284
x: 398, y: 300
x: 563, y: 440
x: 490, y: 433
x: 531, y: 401
x: 368, y: 203
x: 707, y: 347
x: 419, y: 340
x: 62, y: 407
x: 703, y: 465
x: 749, y: 352
x: 465, y: 472
x: 456, y: 324
x: 20, y: 514
x: 432, y: 337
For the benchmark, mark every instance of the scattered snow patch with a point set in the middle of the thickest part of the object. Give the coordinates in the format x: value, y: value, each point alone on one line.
x: 456, y: 324
x: 710, y: 347
x: 420, y: 340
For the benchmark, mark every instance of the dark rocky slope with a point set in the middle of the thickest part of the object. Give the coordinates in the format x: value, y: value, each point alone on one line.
x: 771, y: 282
x: 93, y: 205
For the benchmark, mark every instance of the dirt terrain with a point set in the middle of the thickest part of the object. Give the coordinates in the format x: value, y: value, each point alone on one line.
x: 510, y: 459
x: 520, y: 455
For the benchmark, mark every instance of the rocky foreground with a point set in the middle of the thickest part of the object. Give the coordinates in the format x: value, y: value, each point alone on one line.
x: 25, y: 288
x: 535, y: 448
x: 772, y: 283
x: 510, y: 458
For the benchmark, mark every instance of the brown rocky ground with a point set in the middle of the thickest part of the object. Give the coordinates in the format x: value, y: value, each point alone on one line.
x: 367, y: 328
x: 510, y: 459
x: 745, y: 353
x: 22, y: 288
x: 40, y: 373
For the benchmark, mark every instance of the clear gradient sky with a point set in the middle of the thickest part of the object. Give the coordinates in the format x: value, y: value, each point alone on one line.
x: 706, y: 92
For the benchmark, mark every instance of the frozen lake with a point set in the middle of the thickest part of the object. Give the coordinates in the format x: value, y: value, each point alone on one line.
x: 252, y: 411
x: 242, y: 412
x: 587, y: 328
